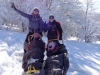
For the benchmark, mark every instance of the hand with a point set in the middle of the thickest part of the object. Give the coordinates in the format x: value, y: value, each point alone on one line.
x: 13, y: 6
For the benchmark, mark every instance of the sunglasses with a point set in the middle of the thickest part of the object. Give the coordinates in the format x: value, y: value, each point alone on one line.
x: 51, y: 18
x: 36, y: 10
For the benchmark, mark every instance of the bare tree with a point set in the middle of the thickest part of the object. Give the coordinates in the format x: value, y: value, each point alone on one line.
x: 49, y: 4
x: 88, y: 21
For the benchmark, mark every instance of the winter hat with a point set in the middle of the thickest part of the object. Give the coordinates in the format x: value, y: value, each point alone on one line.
x: 36, y: 9
x: 37, y: 36
x: 51, y: 16
x: 51, y: 46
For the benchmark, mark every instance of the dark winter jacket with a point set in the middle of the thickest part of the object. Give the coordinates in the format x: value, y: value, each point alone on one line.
x: 36, y: 52
x: 57, y: 62
x: 35, y: 22
x: 52, y: 35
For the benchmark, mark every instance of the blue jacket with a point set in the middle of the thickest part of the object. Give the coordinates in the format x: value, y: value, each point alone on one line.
x: 35, y: 22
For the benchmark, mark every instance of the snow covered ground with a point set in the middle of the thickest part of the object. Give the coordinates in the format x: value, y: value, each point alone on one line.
x: 84, y: 58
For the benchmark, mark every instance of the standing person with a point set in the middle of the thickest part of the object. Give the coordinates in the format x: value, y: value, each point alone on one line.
x: 57, y: 62
x: 54, y: 29
x: 35, y: 22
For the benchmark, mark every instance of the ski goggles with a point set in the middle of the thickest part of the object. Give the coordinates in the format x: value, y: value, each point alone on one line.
x: 51, y: 17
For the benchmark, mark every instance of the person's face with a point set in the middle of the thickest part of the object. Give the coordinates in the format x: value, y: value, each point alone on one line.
x: 35, y: 12
x: 51, y: 19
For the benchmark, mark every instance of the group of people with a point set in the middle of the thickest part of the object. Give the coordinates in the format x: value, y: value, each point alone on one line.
x: 57, y: 62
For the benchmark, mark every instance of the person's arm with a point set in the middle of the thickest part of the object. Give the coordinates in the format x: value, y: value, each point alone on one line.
x: 66, y: 64
x: 20, y: 12
x: 23, y: 14
x: 60, y: 30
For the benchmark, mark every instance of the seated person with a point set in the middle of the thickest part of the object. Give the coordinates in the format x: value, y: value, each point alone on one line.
x: 35, y: 54
x: 57, y: 62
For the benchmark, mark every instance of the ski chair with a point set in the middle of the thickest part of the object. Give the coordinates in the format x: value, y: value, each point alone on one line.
x: 31, y: 69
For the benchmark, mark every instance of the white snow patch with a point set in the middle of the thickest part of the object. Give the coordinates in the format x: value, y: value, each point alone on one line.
x: 84, y: 58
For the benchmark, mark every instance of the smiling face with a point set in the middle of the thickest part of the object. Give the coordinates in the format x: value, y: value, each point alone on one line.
x: 35, y: 11
x: 51, y: 19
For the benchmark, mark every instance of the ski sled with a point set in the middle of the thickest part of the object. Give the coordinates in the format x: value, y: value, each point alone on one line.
x: 34, y: 71
x: 31, y: 68
x: 33, y: 58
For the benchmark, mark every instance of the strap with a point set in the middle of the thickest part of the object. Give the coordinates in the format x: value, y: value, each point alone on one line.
x: 55, y: 39
x: 52, y: 40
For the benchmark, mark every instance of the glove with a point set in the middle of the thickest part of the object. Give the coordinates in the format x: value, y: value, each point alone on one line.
x: 30, y: 47
x: 13, y: 6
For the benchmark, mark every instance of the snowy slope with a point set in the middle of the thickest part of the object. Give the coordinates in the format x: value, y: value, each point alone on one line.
x: 11, y: 52
x: 84, y: 58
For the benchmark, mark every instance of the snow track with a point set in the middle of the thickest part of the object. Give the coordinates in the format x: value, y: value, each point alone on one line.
x: 84, y: 58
